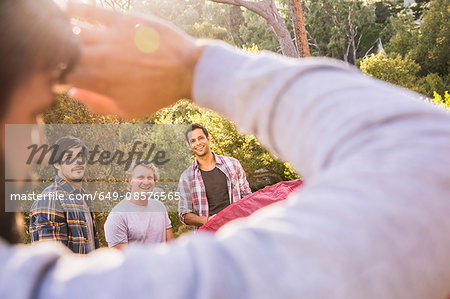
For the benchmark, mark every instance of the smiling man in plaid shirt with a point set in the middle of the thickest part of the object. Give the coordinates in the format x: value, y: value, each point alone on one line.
x: 63, y: 215
x: 210, y: 183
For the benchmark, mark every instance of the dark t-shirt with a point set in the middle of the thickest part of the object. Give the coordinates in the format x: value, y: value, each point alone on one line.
x: 216, y: 190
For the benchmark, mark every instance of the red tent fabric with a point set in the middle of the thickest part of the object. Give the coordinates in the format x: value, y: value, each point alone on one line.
x: 251, y: 203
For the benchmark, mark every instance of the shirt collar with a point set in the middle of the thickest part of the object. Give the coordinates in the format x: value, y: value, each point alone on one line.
x: 66, y: 186
x: 217, y: 158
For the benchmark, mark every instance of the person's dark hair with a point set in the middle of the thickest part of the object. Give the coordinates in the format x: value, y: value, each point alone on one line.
x: 192, y: 128
x: 34, y: 35
x: 64, y: 145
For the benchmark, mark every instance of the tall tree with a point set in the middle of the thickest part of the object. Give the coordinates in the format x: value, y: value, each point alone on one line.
x: 336, y: 28
x: 268, y: 10
x: 264, y: 8
x: 419, y: 7
x: 432, y: 51
x: 301, y: 39
x: 256, y: 31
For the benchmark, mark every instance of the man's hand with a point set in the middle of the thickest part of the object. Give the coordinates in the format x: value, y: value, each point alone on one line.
x: 210, y: 217
x: 142, y: 63
x: 194, y: 219
x: 120, y: 246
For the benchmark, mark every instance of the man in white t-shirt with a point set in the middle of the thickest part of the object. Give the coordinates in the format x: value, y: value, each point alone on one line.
x: 139, y: 218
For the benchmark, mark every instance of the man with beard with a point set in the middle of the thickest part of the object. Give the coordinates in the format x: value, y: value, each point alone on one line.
x: 66, y: 218
x: 211, y: 183
x: 139, y: 218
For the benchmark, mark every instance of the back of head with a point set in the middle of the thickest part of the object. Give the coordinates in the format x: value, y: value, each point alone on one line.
x: 34, y: 35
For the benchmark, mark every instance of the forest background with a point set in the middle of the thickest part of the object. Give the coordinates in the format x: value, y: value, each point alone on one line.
x: 402, y: 42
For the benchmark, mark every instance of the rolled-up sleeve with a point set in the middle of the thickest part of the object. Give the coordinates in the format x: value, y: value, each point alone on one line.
x: 48, y: 221
x: 116, y: 231
x: 185, y: 202
x: 243, y: 183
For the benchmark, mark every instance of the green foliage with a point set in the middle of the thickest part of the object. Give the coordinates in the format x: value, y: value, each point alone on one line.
x: 256, y: 31
x: 403, y: 72
x: 425, y: 42
x: 442, y: 101
x: 419, y: 7
x: 189, y: 17
x: 26, y: 224
x: 212, y: 20
x: 236, y: 20
x: 202, y: 19
x: 178, y: 228
x: 208, y: 30
x: 385, y: 9
x: 369, y: 36
x: 397, y: 70
x: 402, y: 33
x: 337, y: 28
x: 434, y: 83
x: 251, y: 49
x: 68, y: 111
x: 433, y: 47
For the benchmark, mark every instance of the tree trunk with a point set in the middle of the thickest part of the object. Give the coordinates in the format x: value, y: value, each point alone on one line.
x: 301, y: 40
x: 283, y: 36
x: 267, y: 10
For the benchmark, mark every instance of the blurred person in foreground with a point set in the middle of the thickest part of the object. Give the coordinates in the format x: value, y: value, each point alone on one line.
x: 370, y: 222
x: 37, y: 50
x: 139, y: 218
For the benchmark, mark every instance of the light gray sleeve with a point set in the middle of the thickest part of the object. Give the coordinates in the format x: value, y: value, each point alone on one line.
x: 116, y: 231
x: 372, y: 218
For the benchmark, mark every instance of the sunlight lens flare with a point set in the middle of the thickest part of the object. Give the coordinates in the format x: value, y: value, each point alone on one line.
x: 146, y: 39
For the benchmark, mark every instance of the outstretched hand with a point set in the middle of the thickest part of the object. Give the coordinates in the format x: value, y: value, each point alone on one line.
x: 131, y: 65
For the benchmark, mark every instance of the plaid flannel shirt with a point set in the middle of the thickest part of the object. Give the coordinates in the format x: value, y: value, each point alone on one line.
x: 62, y: 219
x: 192, y: 189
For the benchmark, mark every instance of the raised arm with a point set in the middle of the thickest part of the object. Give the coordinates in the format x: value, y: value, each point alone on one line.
x: 375, y: 158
